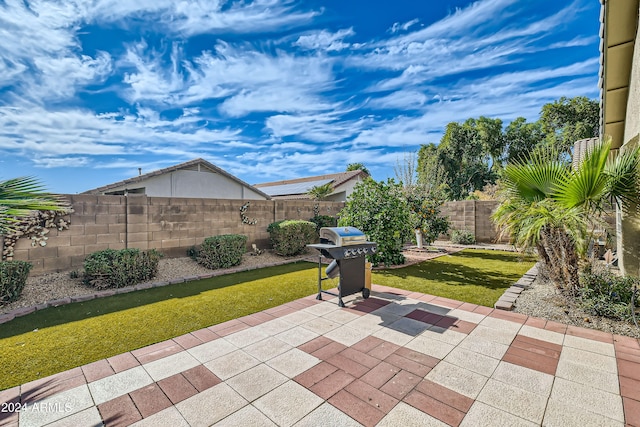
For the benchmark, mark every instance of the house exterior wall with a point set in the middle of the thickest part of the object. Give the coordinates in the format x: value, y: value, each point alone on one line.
x: 628, y: 229
x: 187, y: 183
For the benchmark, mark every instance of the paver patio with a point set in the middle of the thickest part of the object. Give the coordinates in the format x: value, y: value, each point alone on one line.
x: 395, y: 359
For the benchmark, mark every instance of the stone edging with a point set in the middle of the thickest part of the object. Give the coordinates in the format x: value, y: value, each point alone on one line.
x: 23, y: 311
x: 508, y: 299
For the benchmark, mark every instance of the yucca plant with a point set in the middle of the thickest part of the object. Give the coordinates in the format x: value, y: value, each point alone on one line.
x: 549, y: 206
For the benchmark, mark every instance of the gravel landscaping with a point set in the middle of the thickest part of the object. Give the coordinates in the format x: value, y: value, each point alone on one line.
x: 545, y: 301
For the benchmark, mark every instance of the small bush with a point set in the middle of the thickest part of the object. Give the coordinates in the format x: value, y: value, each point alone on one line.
x: 463, y: 237
x: 13, y: 276
x: 291, y: 237
x: 221, y: 251
x: 324, y: 221
x: 118, y: 268
x: 192, y: 253
x: 605, y: 294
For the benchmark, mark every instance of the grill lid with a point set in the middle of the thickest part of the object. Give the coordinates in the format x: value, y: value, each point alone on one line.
x: 342, y: 236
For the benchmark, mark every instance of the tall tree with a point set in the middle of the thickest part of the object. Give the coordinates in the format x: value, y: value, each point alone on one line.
x: 468, y: 156
x: 358, y: 166
x: 431, y: 176
x: 405, y: 171
x: 521, y: 138
x: 568, y: 120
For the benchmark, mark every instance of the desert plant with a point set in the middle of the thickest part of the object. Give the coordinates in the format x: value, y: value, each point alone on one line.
x: 605, y: 294
x: 112, y: 268
x: 291, y: 237
x: 551, y: 207
x: 380, y: 211
x: 13, y: 277
x: 463, y: 237
x: 222, y: 251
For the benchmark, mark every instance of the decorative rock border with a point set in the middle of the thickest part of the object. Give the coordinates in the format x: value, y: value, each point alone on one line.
x: 508, y: 299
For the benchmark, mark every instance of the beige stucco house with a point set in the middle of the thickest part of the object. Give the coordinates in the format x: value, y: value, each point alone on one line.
x: 620, y: 106
x: 342, y: 185
x: 196, y: 178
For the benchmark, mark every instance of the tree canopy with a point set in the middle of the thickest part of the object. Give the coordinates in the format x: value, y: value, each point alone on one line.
x: 358, y: 166
x: 472, y: 153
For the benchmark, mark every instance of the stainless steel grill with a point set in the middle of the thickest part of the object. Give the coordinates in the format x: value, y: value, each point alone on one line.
x: 347, y: 246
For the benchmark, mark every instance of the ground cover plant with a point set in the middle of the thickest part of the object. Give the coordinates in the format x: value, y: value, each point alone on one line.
x: 61, y: 338
x: 475, y: 276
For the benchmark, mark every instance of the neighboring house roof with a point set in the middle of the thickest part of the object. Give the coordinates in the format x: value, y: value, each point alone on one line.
x: 298, y: 188
x: 618, y: 27
x: 185, y: 165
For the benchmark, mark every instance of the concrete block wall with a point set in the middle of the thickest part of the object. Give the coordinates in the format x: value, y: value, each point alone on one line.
x: 170, y: 225
x: 474, y: 216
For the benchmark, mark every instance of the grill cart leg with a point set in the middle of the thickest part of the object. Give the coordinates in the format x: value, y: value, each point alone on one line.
x: 319, y: 297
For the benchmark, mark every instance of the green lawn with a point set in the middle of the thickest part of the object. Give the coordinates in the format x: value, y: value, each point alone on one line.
x: 57, y: 339
x: 475, y: 276
x: 60, y: 338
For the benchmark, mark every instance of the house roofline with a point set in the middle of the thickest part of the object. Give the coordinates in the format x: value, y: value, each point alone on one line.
x: 174, y: 168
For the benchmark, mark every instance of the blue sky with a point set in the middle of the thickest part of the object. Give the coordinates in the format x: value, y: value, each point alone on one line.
x: 92, y: 90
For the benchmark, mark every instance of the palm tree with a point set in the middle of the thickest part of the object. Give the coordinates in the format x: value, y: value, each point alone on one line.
x: 553, y: 208
x: 21, y: 196
x: 320, y: 192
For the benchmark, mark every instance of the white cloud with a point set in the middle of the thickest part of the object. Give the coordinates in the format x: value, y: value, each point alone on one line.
x: 64, y: 162
x: 37, y: 132
x: 325, y: 40
x: 321, y: 127
x: 397, y: 27
x: 200, y: 16
x: 243, y: 79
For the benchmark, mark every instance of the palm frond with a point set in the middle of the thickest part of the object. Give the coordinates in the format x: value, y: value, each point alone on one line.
x: 534, y: 179
x: 585, y: 187
x: 623, y: 175
x: 21, y: 196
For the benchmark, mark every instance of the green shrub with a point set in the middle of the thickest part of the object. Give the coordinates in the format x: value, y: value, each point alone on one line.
x: 112, y: 268
x: 13, y: 276
x: 291, y: 237
x: 222, y: 251
x: 324, y: 221
x: 604, y: 294
x: 463, y: 237
x: 381, y: 212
